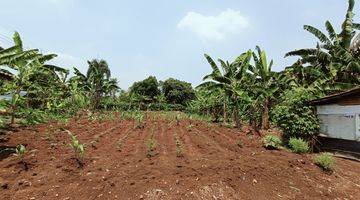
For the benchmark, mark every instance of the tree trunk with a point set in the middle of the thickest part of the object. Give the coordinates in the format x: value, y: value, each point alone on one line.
x: 237, y: 118
x: 225, y: 113
x: 15, y: 99
x: 265, y: 116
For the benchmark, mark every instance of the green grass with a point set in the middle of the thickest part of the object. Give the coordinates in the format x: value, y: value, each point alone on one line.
x: 325, y: 161
x: 298, y: 145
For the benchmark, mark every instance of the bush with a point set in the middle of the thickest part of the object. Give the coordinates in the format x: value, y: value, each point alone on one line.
x: 272, y: 142
x: 294, y: 116
x: 325, y: 161
x: 298, y: 145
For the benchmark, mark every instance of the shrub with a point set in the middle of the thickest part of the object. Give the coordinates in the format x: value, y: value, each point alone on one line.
x: 294, y: 116
x: 298, y: 145
x: 272, y: 142
x: 325, y: 161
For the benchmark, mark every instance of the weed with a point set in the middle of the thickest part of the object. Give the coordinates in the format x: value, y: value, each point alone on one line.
x: 79, y: 149
x: 177, y: 118
x: 189, y: 127
x: 139, y: 117
x: 272, y: 142
x: 240, y: 143
x: 20, y: 152
x: 298, y: 145
x: 179, y: 146
x: 325, y: 161
x: 151, y: 145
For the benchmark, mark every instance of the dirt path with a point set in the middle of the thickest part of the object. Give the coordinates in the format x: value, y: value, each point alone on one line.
x: 210, y: 165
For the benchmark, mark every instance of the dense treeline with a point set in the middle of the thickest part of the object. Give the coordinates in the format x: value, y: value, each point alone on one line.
x: 243, y: 91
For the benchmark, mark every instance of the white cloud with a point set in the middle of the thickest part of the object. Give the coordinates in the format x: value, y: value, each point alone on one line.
x: 68, y: 61
x: 214, y: 27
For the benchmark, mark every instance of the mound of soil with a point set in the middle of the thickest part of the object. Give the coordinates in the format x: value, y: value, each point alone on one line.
x: 163, y: 159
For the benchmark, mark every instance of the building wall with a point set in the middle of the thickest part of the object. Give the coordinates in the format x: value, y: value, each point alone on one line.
x: 340, y: 121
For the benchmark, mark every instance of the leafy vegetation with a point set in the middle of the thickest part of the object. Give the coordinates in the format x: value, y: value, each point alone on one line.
x: 79, y: 149
x: 298, y: 145
x: 325, y: 161
x: 243, y: 91
x: 272, y: 142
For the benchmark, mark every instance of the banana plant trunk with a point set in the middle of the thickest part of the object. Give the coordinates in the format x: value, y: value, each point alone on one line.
x: 15, y: 98
x: 265, y: 116
x: 225, y: 112
x: 236, y: 115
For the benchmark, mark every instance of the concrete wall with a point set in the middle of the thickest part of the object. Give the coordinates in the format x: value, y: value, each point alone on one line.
x: 339, y: 121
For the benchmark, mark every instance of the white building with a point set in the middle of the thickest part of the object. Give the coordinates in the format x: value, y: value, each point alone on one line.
x: 339, y: 115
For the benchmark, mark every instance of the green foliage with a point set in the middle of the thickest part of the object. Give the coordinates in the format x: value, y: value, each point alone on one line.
x: 334, y: 63
x: 79, y: 149
x: 272, y: 142
x: 177, y: 92
x: 325, y: 161
x: 294, y: 116
x: 298, y: 145
x: 20, y: 151
x: 146, y: 89
x: 151, y: 145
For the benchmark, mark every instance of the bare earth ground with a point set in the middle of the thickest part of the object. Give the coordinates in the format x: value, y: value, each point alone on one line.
x: 208, y: 164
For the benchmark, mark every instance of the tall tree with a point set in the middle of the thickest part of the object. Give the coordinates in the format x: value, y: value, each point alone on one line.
x: 265, y: 83
x: 232, y: 80
x: 26, y: 63
x: 334, y: 56
x: 97, y: 74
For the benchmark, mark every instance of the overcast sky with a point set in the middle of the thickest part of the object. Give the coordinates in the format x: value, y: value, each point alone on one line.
x: 162, y: 37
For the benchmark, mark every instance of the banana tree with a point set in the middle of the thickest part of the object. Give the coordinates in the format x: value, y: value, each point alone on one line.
x: 232, y: 80
x: 98, y: 73
x: 265, y: 84
x: 25, y: 63
x: 336, y: 55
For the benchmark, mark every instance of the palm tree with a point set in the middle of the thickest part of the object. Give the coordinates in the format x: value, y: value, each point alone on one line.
x: 231, y: 80
x: 97, y: 74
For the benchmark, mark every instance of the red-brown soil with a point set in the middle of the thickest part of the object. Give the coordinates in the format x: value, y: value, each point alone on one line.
x: 207, y: 164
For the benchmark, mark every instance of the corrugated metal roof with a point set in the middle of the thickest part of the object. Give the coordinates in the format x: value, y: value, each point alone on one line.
x: 331, y: 98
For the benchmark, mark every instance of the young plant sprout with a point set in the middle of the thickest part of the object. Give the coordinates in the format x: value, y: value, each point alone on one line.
x: 20, y: 152
x: 139, y: 119
x: 79, y: 149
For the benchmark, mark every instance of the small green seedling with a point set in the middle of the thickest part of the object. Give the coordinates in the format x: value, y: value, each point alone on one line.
x: 139, y: 119
x: 177, y: 118
x: 189, y: 127
x: 240, y: 143
x: 179, y: 147
x: 151, y: 145
x: 20, y: 152
x: 79, y: 149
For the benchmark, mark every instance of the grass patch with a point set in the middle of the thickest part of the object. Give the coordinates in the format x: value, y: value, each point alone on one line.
x: 325, y: 161
x: 298, y: 145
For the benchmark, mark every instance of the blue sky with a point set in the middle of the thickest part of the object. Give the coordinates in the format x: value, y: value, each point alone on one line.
x: 161, y: 37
